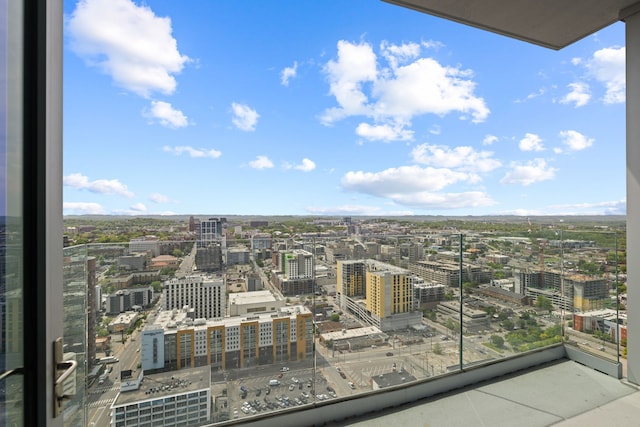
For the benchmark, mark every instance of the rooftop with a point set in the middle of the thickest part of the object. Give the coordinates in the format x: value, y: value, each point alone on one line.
x: 251, y: 297
x: 167, y: 384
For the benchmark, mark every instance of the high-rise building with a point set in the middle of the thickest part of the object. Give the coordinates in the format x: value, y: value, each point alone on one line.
x: 209, y: 258
x: 205, y: 294
x: 296, y: 264
x: 351, y: 278
x: 388, y: 290
x: 80, y: 273
x: 144, y: 244
x: 209, y: 230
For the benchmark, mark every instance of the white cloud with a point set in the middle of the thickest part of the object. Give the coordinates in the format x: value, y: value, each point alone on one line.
x: 432, y: 44
x: 244, y: 117
x: 192, y: 152
x: 579, y: 95
x: 82, y: 208
x: 615, y: 207
x: 426, y: 200
x: 409, y: 86
x: 608, y: 67
x: 354, y: 210
x: 575, y: 141
x: 129, y: 43
x: 164, y: 113
x: 384, y: 133
x: 288, y: 73
x: 261, y: 162
x: 399, y: 54
x: 529, y: 173
x: 356, y: 65
x: 489, y: 140
x: 158, y: 198
x: 531, y: 142
x: 404, y: 179
x: 100, y: 186
x: 139, y: 207
x: 417, y: 187
x: 464, y: 157
x: 306, y: 165
x: 532, y: 95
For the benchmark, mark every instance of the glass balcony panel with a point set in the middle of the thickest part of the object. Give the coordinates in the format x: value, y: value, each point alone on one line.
x: 309, y: 335
x: 78, y: 272
x: 510, y: 296
x: 594, y: 267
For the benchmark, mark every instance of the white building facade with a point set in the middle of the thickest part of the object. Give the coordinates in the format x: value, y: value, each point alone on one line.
x: 205, y: 294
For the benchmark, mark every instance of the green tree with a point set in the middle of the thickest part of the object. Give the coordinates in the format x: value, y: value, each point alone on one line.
x: 497, y: 340
x: 508, y: 325
x: 437, y: 349
x: 167, y: 271
x: 490, y: 310
x: 335, y: 317
x: 544, y: 303
x: 467, y: 287
x: 453, y: 325
x: 157, y: 286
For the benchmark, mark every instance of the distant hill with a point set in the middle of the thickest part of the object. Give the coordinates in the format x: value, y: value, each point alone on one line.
x: 417, y: 218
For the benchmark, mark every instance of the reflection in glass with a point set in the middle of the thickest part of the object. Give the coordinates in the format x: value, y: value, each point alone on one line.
x: 315, y: 319
x: 11, y: 216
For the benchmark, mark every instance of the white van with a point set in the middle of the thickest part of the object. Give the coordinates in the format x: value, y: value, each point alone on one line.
x: 274, y: 382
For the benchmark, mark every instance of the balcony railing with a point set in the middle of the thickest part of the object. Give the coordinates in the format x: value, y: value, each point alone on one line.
x: 339, y: 317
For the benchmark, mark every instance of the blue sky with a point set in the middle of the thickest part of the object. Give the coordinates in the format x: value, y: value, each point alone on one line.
x: 336, y: 107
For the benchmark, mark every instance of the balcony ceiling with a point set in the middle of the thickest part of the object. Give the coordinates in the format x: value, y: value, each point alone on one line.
x: 549, y: 23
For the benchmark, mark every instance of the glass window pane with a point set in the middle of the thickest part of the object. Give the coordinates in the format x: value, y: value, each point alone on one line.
x: 11, y: 218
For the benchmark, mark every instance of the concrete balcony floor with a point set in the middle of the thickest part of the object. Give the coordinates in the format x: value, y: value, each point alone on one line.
x: 563, y: 393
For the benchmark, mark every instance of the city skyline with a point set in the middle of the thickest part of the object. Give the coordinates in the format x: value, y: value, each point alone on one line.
x: 333, y: 108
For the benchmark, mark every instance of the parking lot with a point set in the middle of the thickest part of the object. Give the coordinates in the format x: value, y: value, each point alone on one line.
x: 271, y: 392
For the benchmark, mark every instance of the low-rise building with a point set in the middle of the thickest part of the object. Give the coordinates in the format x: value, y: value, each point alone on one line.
x: 472, y: 320
x: 390, y: 379
x: 167, y: 399
x: 243, y: 303
x: 123, y: 322
x: 125, y: 299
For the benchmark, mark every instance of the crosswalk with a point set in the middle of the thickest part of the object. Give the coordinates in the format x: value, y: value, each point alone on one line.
x: 102, y: 403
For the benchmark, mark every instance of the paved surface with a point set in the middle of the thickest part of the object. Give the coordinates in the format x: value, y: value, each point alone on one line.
x: 564, y: 394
